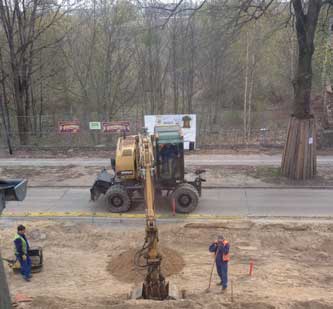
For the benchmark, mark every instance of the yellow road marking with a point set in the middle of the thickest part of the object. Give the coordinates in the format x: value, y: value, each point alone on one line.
x: 116, y: 215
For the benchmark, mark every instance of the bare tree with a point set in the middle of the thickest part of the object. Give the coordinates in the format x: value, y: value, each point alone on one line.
x: 299, y: 158
x: 23, y: 24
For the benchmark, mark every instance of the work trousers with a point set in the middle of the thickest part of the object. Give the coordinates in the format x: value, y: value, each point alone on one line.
x: 25, y: 266
x: 222, y: 270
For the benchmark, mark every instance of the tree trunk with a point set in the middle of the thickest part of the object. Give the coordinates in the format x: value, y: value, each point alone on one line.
x: 5, y: 126
x: 302, y: 85
x: 299, y: 157
x: 3, y: 78
x: 249, y: 103
x: 175, y: 79
x: 246, y: 89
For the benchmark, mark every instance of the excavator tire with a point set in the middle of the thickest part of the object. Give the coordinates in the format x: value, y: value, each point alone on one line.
x: 186, y: 197
x: 117, y: 199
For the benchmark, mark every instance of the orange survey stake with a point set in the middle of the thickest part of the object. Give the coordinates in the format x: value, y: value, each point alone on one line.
x: 251, y: 268
x: 173, y: 207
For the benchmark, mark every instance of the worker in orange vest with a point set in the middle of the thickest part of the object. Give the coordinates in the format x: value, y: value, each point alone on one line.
x: 221, y: 248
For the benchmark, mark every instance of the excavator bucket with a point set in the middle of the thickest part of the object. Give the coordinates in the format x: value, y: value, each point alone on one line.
x: 170, y: 292
x: 12, y: 190
x: 155, y: 286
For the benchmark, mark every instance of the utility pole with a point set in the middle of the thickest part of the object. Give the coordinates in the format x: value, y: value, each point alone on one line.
x: 5, y: 301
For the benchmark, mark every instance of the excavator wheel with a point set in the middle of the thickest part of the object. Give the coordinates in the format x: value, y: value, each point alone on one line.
x: 186, y: 197
x: 118, y: 199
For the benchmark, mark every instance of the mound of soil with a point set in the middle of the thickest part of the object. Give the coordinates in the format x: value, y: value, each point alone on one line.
x: 311, y: 304
x: 123, y: 268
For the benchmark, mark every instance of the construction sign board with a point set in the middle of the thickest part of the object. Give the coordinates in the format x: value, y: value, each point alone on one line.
x: 116, y: 127
x: 69, y: 126
x: 187, y: 122
x: 95, y: 125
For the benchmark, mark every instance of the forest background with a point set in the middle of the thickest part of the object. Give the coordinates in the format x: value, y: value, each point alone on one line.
x: 106, y: 60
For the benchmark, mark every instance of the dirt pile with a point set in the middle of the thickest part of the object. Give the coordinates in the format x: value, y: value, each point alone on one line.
x: 124, y: 269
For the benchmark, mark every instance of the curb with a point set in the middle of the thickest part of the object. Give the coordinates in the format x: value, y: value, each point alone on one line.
x: 204, y: 187
x: 115, y: 215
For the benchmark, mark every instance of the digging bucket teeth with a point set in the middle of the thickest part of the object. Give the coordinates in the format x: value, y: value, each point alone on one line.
x: 166, y: 292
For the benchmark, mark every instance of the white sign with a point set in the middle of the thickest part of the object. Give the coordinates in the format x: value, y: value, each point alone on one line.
x: 94, y: 125
x: 310, y: 140
x: 187, y: 122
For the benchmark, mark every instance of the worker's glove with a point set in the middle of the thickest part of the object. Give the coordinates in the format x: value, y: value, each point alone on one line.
x: 24, y: 257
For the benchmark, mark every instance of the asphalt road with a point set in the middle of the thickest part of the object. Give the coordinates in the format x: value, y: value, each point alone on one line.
x: 222, y: 202
x: 191, y: 160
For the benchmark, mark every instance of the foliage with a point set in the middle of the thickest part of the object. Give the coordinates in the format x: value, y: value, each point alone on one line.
x: 118, y: 60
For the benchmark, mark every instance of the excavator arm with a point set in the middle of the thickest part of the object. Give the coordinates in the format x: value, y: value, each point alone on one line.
x: 154, y: 285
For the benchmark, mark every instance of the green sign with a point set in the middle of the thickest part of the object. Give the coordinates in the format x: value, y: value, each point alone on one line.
x: 95, y: 125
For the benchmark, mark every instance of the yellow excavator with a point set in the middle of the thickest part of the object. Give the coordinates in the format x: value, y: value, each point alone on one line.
x: 167, y: 149
x: 149, y: 165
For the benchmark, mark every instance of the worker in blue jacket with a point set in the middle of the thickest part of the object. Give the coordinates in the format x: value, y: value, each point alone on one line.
x: 22, y: 252
x: 221, y: 248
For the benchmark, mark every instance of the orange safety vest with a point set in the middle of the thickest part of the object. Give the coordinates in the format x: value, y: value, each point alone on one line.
x: 225, y: 257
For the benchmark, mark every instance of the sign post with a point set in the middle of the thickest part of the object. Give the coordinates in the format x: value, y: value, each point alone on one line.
x: 69, y: 126
x: 116, y: 127
x: 187, y: 122
x: 94, y: 125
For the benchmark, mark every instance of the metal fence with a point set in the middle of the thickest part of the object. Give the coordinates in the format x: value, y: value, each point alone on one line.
x: 44, y: 133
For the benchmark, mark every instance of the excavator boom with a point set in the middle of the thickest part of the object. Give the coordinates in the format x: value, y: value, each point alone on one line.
x: 154, y: 285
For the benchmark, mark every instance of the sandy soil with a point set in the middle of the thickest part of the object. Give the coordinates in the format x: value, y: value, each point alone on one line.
x: 231, y: 176
x: 293, y: 265
x: 53, y: 176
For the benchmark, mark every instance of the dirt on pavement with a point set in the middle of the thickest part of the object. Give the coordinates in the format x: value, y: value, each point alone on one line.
x: 216, y: 176
x: 293, y: 264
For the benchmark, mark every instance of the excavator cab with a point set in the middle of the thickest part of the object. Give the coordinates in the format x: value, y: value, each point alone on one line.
x: 169, y: 148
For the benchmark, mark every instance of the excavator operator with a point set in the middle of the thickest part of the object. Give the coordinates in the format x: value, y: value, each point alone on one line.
x: 168, y: 153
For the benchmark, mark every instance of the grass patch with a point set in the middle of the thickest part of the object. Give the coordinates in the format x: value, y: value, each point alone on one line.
x: 265, y: 172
